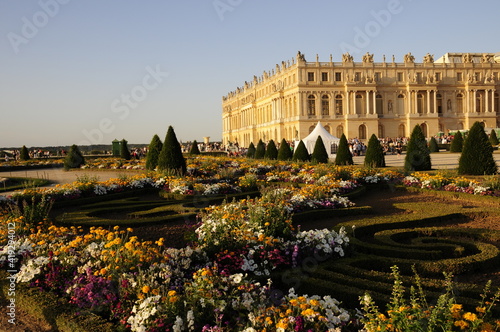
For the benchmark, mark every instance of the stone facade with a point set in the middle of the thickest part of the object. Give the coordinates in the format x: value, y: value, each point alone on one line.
x: 359, y: 99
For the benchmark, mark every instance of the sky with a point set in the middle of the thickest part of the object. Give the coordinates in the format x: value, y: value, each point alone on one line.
x: 90, y: 71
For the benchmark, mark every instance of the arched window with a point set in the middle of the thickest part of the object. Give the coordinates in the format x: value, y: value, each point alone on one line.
x: 401, y: 130
x: 311, y: 105
x: 381, y: 131
x: 311, y: 128
x: 339, y: 131
x: 379, y: 106
x: 360, y: 105
x: 400, y: 104
x: 424, y: 129
x: 439, y: 101
x: 325, y: 105
x: 338, y: 105
x: 327, y: 128
x: 362, y: 132
x: 420, y: 103
x: 460, y: 103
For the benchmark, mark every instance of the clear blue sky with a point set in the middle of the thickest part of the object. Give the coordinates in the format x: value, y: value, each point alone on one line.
x: 90, y: 71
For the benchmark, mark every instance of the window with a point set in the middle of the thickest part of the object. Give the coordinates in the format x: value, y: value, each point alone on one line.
x: 310, y: 76
x: 477, y: 77
x: 324, y: 77
x: 400, y: 77
x: 325, y: 105
x: 338, y: 104
x: 459, y: 77
x: 419, y: 77
x: 311, y: 105
x: 357, y: 76
x: 377, y: 76
x: 338, y: 77
x: 437, y: 77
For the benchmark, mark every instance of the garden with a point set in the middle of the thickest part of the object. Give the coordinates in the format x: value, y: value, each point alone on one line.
x: 242, y: 244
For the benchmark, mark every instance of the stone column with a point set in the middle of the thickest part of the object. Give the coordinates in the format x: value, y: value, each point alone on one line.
x: 415, y: 102
x: 493, y: 100
x: 368, y: 102
x: 474, y: 102
x: 374, y: 101
x: 486, y: 101
x: 428, y: 102
x: 347, y: 110
x: 435, y: 101
x: 354, y: 103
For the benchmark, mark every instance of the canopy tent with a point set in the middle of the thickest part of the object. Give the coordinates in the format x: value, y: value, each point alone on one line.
x: 331, y: 142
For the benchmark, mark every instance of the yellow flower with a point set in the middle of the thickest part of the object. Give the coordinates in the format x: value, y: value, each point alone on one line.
x: 470, y: 316
x: 481, y: 309
x: 103, y: 271
x: 172, y: 293
x: 146, y: 289
x: 462, y: 324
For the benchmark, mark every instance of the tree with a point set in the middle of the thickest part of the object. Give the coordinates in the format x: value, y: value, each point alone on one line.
x: 171, y: 157
x: 344, y: 156
x: 418, y: 156
x: 301, y: 153
x: 251, y: 151
x: 493, y: 138
x: 433, y: 145
x: 124, y: 151
x: 74, y: 158
x: 260, y: 151
x: 284, y: 152
x: 319, y: 154
x: 194, y: 148
x: 477, y: 153
x: 457, y: 142
x: 24, y: 154
x: 374, y: 153
x: 154, y: 150
x: 271, y: 151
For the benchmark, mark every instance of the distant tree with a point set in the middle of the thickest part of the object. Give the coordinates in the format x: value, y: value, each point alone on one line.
x: 374, y: 153
x: 477, y: 153
x: 260, y: 151
x: 433, y: 145
x: 74, y: 158
x: 124, y: 151
x: 301, y: 153
x: 171, y: 158
x: 319, y: 154
x: 194, y: 148
x: 271, y: 151
x: 418, y: 156
x: 154, y: 150
x: 24, y: 154
x: 457, y: 142
x: 284, y: 152
x: 251, y: 151
x: 344, y: 156
x: 493, y: 138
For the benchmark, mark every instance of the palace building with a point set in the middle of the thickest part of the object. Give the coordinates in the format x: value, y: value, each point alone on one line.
x: 359, y: 99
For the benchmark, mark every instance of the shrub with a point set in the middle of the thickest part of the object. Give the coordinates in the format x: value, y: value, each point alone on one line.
x: 171, y: 158
x: 124, y: 151
x: 74, y: 158
x: 301, y: 153
x: 260, y: 151
x: 319, y: 154
x: 194, y: 148
x: 24, y: 154
x: 418, y: 156
x: 477, y: 153
x: 374, y: 153
x: 154, y: 150
x: 457, y: 143
x: 284, y: 152
x: 251, y: 151
x: 493, y: 138
x: 344, y: 156
x: 271, y: 151
x: 433, y: 145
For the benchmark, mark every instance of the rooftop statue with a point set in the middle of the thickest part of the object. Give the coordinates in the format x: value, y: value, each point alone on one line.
x: 409, y: 58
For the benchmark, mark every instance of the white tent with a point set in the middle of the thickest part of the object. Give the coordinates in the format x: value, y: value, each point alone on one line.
x: 331, y: 142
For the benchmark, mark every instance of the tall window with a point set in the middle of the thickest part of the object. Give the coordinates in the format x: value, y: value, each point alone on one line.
x: 338, y: 105
x: 311, y: 105
x: 460, y: 103
x: 439, y: 100
x: 437, y: 77
x: 362, y: 132
x: 400, y: 77
x: 338, y: 77
x: 325, y: 105
x: 459, y: 77
x: 377, y: 76
x: 324, y: 77
x: 357, y: 76
x: 310, y: 76
x: 339, y: 131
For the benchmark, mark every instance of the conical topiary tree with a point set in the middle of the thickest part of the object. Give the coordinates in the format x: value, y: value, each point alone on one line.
x: 433, y: 145
x: 493, y: 138
x: 124, y: 151
x: 418, y: 157
x: 194, y: 148
x: 319, y: 154
x: 154, y: 150
x: 251, y: 151
x: 477, y: 153
x: 374, y: 153
x: 260, y: 150
x: 344, y: 156
x: 284, y: 152
x: 457, y: 142
x: 301, y: 153
x: 74, y: 158
x: 24, y: 153
x: 271, y: 151
x: 171, y: 158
